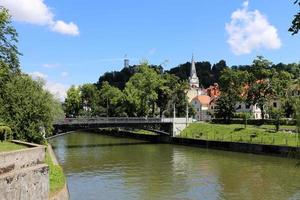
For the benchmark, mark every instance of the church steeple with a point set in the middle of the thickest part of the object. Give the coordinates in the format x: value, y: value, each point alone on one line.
x: 194, y: 81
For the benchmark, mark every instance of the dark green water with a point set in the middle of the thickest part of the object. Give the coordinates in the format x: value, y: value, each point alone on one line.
x: 103, y: 167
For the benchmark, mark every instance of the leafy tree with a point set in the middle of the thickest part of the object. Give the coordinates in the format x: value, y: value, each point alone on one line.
x: 8, y: 38
x: 73, y: 103
x: 89, y: 98
x: 28, y: 109
x: 141, y: 91
x: 232, y: 84
x: 225, y: 107
x: 111, y: 101
x: 295, y: 27
x: 260, y: 90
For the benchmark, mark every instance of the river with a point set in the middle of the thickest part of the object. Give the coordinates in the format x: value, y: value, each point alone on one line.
x: 110, y: 168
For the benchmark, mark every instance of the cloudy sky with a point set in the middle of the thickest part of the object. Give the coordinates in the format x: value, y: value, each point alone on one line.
x: 73, y: 42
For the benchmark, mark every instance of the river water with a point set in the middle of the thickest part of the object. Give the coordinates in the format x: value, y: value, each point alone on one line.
x: 109, y: 168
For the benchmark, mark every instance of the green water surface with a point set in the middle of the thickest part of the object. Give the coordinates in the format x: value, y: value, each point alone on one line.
x: 109, y: 168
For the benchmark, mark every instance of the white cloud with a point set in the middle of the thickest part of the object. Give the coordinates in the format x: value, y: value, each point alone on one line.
x: 251, y: 30
x: 59, y: 90
x: 37, y: 12
x: 64, y: 28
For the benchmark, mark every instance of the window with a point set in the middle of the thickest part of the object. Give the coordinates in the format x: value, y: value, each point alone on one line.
x: 247, y: 106
x: 239, y: 107
x: 274, y: 104
x: 198, y: 109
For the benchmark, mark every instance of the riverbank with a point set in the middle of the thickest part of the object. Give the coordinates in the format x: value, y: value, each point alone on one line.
x: 243, y: 147
x: 58, y: 184
x: 265, y: 134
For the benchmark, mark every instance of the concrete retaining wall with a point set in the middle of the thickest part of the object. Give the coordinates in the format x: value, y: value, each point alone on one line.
x: 23, y: 174
x: 282, y: 151
x: 272, y: 150
x: 23, y: 158
x: 30, y: 183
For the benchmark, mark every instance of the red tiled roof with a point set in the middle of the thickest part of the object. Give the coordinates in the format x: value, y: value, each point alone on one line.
x: 203, y: 99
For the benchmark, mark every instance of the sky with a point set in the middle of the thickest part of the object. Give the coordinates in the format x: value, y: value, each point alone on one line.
x: 74, y: 42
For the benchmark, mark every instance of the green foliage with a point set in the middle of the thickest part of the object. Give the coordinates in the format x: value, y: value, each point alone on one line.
x: 29, y: 109
x: 207, y: 73
x: 73, y: 102
x: 56, y: 175
x: 111, y: 100
x: 8, y: 38
x: 141, y: 91
x: 225, y: 107
x: 295, y: 27
x: 5, y: 133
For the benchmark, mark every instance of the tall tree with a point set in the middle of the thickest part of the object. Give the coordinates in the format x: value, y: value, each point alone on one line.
x: 9, y: 54
x: 295, y: 27
x: 141, y: 91
x: 111, y: 101
x: 28, y: 109
x: 89, y: 98
x: 232, y: 84
x: 260, y: 89
x: 73, y: 103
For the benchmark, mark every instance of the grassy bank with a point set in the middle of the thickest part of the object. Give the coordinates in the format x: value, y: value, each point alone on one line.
x: 56, y: 175
x: 237, y: 133
x: 10, y: 146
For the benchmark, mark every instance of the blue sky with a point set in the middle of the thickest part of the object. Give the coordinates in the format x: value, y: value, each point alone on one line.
x: 74, y: 42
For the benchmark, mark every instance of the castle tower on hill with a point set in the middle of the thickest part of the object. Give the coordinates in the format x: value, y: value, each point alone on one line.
x: 193, y: 79
x: 126, y: 62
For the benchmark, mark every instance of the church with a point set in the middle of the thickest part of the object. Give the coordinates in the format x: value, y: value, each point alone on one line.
x: 202, y: 100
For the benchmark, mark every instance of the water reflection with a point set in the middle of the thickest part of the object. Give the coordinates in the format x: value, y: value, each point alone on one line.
x: 102, y: 167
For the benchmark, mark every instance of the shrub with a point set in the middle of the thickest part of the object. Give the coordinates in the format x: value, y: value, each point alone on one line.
x: 5, y: 133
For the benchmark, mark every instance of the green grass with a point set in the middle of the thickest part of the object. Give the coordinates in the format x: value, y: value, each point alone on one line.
x: 56, y: 175
x: 10, y: 146
x: 237, y: 133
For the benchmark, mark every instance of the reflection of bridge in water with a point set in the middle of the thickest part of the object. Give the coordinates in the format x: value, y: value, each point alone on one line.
x: 163, y: 126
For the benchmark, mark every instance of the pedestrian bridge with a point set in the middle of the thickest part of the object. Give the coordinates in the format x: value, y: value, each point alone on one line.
x: 163, y: 126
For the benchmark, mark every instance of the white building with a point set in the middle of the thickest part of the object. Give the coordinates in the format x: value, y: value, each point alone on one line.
x: 201, y: 104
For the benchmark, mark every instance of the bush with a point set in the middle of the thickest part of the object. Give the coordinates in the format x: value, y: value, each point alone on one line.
x: 5, y: 133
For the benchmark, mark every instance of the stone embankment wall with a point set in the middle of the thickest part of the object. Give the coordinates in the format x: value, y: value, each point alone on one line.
x: 23, y: 175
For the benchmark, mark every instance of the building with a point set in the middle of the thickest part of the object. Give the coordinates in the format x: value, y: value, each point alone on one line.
x: 197, y: 95
x: 201, y: 104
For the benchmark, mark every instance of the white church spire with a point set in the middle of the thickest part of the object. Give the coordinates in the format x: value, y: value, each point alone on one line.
x: 194, y: 81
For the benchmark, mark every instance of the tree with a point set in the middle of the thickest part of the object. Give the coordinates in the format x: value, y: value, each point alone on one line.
x: 232, y: 84
x: 73, y: 102
x: 141, y: 91
x: 295, y: 27
x: 8, y: 38
x: 111, y: 101
x: 260, y: 89
x: 28, y: 109
x: 225, y: 108
x: 89, y: 98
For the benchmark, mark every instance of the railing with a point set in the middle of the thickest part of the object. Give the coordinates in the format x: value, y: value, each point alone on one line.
x: 113, y: 120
